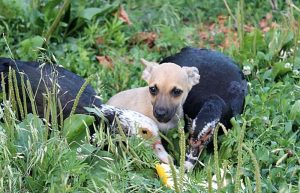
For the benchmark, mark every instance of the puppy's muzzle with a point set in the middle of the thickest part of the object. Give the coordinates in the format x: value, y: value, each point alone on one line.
x: 163, y: 114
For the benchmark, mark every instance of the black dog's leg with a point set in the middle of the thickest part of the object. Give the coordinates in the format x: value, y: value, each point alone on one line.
x: 202, y: 128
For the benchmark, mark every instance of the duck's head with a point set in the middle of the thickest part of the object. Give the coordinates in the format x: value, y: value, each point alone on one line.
x: 134, y: 124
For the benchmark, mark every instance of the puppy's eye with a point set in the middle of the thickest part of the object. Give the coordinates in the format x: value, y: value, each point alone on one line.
x: 153, y: 90
x: 176, y: 92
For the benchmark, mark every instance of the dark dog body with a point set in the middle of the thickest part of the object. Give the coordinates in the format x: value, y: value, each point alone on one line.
x: 218, y: 96
x: 220, y: 77
x: 42, y: 79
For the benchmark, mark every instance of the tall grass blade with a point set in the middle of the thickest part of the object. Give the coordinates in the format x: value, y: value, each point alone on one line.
x: 209, y: 178
x: 182, y: 154
x: 174, y: 175
x: 61, y: 115
x: 24, y: 94
x: 257, y: 170
x: 240, y: 23
x: 216, y: 158
x: 11, y: 91
x: 57, y: 19
x: 17, y: 93
x: 31, y: 98
x: 83, y: 87
x: 239, y: 157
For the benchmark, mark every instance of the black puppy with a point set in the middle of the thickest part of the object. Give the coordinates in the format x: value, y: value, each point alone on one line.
x: 217, y: 98
x: 43, y: 77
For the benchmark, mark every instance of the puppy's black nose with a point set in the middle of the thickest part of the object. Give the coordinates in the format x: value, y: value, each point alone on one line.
x: 160, y: 112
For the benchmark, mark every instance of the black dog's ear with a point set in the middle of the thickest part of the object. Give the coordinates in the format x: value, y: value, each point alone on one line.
x: 148, y: 70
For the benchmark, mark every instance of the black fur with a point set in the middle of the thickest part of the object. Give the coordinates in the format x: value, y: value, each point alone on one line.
x: 42, y: 78
x: 222, y: 85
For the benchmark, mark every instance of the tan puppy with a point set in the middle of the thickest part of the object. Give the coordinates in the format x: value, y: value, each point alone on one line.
x: 162, y: 100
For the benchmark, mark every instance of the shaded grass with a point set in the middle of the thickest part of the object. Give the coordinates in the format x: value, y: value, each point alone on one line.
x: 55, y: 163
x: 271, y: 118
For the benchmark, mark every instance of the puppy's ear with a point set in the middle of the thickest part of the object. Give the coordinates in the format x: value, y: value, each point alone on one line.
x: 193, y: 75
x: 149, y: 66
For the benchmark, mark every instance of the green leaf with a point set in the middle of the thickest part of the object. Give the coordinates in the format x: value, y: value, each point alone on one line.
x: 280, y: 68
x: 254, y: 41
x: 103, y: 163
x: 12, y: 9
x: 262, y: 153
x: 28, y: 46
x: 89, y: 13
x: 106, y: 8
x: 297, y: 62
x: 295, y: 111
x: 86, y: 149
x: 75, y: 127
x: 34, y: 42
x: 30, y: 131
x: 50, y: 10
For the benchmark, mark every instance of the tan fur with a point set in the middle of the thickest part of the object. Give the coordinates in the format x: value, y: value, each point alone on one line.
x: 166, y: 77
x: 137, y: 99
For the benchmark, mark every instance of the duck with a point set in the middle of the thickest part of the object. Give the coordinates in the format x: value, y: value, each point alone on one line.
x: 219, y: 96
x: 44, y: 76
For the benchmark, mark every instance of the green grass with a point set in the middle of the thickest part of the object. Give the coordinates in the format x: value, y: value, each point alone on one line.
x: 261, y: 150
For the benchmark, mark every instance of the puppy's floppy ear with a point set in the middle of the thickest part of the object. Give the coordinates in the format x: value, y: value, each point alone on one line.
x: 193, y: 75
x: 148, y: 70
